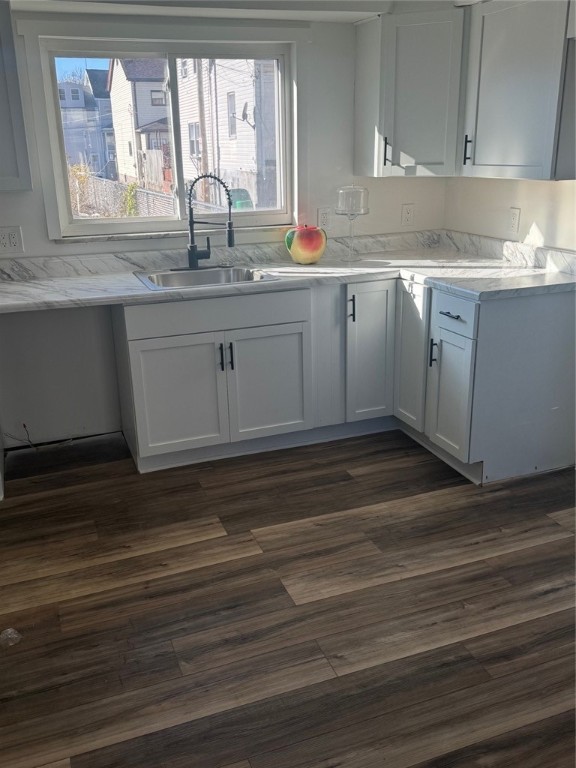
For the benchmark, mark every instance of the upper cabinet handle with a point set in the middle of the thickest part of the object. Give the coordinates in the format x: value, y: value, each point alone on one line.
x: 385, y: 150
x: 449, y: 314
x: 466, y: 155
x: 353, y: 300
x: 231, y: 348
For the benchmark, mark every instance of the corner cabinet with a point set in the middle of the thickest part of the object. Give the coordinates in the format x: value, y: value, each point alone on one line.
x: 513, y: 93
x: 182, y: 391
x: 410, y: 364
x: 14, y: 165
x: 407, y: 94
x: 370, y: 349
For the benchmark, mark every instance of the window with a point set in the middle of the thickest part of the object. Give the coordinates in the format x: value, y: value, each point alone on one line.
x: 74, y: 94
x: 158, y: 98
x: 145, y: 167
x: 231, y: 98
x: 194, y: 140
x: 61, y: 94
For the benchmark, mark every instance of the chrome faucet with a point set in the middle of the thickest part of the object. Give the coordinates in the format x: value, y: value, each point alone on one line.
x: 195, y: 253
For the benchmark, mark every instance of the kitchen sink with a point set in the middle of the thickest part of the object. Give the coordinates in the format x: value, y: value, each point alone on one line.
x: 193, y: 278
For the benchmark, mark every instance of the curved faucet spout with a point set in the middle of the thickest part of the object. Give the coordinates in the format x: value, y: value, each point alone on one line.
x: 194, y: 253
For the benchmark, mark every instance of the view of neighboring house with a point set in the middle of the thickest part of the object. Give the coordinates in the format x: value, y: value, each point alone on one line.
x: 228, y: 117
x: 140, y: 121
x: 87, y: 123
x: 96, y: 80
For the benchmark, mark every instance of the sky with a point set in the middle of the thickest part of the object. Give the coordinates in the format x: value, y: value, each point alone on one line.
x: 65, y: 65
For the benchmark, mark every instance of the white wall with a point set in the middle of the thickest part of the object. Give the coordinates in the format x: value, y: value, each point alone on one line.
x: 482, y: 206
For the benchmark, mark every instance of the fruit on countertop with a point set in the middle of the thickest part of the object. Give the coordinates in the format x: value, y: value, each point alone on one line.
x: 305, y: 244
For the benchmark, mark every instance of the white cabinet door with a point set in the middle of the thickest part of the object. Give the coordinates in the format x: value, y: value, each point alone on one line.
x: 179, y: 386
x: 407, y: 94
x: 269, y: 380
x: 14, y: 167
x: 449, y: 391
x: 411, y: 360
x: 421, y: 59
x: 513, y: 90
x: 370, y: 350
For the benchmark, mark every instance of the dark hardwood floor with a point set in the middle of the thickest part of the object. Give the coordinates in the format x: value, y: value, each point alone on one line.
x: 356, y: 604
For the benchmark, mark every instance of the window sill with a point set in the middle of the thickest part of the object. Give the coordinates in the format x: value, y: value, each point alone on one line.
x: 245, y: 235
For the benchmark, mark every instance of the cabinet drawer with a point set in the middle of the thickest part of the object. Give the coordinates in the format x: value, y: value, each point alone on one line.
x: 455, y: 314
x: 148, y: 321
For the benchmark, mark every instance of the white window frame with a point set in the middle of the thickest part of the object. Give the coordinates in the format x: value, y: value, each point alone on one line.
x: 43, y: 45
x: 232, y: 128
x: 197, y: 141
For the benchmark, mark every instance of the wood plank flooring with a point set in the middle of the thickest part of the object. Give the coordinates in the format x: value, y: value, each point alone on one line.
x: 355, y: 604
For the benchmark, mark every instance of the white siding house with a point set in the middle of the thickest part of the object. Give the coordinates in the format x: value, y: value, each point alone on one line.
x: 140, y: 119
x: 228, y: 117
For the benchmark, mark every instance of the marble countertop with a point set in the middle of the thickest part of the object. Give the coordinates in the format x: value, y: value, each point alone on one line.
x: 468, y: 277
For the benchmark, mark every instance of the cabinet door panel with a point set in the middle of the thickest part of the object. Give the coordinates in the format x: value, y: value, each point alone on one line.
x: 516, y: 52
x: 410, y: 365
x: 270, y: 383
x: 421, y: 81
x: 449, y: 393
x: 370, y: 350
x: 179, y: 393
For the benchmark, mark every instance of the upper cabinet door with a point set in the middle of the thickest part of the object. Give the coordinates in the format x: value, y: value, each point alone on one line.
x: 407, y: 94
x: 421, y: 58
x: 14, y: 168
x: 513, y: 91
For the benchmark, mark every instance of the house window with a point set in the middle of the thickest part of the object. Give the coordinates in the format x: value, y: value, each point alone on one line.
x: 61, y: 94
x: 203, y: 111
x: 194, y: 142
x: 231, y: 100
x: 158, y: 98
x: 74, y: 94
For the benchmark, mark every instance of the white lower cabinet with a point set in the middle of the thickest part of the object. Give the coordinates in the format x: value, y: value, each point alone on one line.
x: 203, y: 389
x: 410, y: 363
x: 370, y: 350
x: 246, y: 373
x: 449, y: 392
x: 180, y: 392
x: 269, y: 380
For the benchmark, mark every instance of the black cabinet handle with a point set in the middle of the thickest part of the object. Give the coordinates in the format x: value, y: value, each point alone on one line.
x: 385, y: 149
x: 353, y: 300
x: 431, y: 358
x: 449, y: 314
x: 222, y: 362
x: 231, y: 356
x: 466, y: 156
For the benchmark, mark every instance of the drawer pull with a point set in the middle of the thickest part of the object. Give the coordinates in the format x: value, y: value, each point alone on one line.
x: 450, y: 315
x: 431, y: 358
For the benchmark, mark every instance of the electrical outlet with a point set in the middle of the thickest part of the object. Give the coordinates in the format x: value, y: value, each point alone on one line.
x: 514, y: 221
x: 11, y: 240
x: 324, y: 217
x: 407, y: 215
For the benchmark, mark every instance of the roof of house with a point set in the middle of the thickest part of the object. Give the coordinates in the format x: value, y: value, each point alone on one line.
x: 156, y: 125
x: 138, y: 70
x: 99, y: 83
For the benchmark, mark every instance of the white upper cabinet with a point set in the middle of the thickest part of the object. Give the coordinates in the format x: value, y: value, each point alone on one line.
x: 513, y: 91
x: 14, y: 168
x: 407, y: 94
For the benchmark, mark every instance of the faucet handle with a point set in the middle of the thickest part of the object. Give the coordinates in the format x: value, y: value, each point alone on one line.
x: 208, y: 250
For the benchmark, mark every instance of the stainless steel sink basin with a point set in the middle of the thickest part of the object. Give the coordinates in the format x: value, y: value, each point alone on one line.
x: 193, y: 278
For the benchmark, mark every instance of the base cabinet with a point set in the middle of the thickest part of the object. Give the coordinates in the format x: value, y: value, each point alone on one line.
x: 449, y: 394
x: 370, y: 350
x: 411, y: 359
